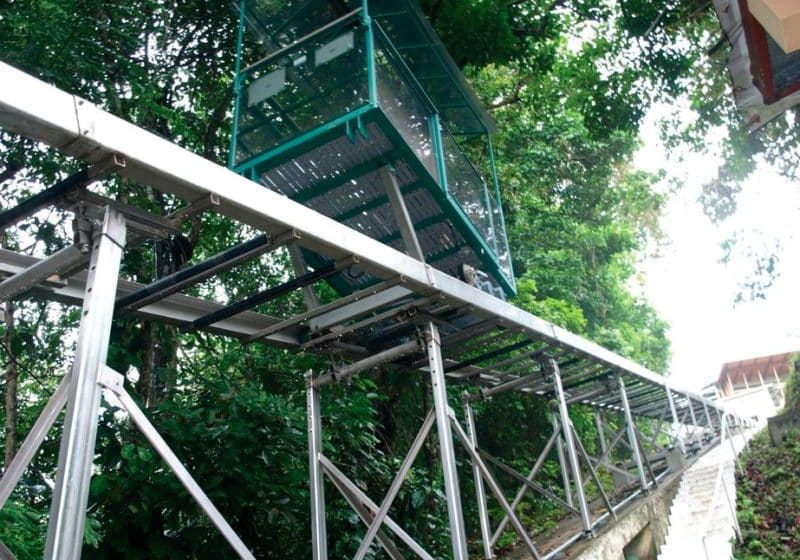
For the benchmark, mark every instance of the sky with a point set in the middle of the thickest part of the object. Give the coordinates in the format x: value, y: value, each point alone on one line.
x: 695, y: 292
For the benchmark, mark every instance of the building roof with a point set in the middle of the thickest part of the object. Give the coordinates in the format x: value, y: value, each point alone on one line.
x: 766, y: 81
x: 749, y: 369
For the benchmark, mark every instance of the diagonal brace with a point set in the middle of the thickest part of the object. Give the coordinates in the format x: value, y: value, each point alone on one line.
x: 112, y: 381
x: 395, y: 486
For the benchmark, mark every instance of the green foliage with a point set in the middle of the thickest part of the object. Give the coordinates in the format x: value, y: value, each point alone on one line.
x: 768, y: 500
x: 792, y: 388
x: 21, y: 529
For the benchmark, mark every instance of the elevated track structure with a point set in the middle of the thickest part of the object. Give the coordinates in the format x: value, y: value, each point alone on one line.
x: 411, y: 315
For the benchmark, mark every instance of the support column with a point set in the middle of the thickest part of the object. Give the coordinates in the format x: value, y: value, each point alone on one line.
x: 708, y: 417
x: 562, y: 461
x: 71, y: 493
x: 480, y: 492
x: 637, y: 456
x: 694, y: 418
x: 300, y: 269
x: 319, y: 537
x: 458, y: 534
x: 676, y: 424
x: 566, y: 429
x: 601, y: 433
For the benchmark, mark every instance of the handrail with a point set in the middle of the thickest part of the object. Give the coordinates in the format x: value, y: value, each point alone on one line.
x: 719, y: 482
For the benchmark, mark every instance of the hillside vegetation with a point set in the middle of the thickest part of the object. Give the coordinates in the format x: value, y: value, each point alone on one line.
x: 769, y: 500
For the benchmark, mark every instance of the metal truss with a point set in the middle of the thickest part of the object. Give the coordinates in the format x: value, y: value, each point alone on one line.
x: 412, y: 317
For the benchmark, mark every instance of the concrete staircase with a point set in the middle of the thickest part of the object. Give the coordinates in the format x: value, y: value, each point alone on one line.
x: 698, y: 531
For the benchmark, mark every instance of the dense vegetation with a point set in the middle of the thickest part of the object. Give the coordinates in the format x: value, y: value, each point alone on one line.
x: 568, y: 81
x: 769, y: 500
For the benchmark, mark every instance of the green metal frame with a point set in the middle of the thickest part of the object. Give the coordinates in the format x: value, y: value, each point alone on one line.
x: 355, y: 121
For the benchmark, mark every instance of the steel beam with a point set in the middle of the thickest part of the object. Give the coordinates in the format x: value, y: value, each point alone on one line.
x: 572, y: 454
x: 113, y: 381
x: 322, y: 310
x: 366, y: 508
x: 71, y: 493
x: 458, y: 535
x: 400, y: 211
x: 489, y: 355
x: 196, y: 273
x: 319, y: 539
x: 632, y: 438
x: 531, y: 476
x: 64, y: 261
x: 33, y: 441
x: 346, y: 372
x: 495, y: 489
x: 269, y: 294
x: 52, y: 195
x: 592, y: 472
x: 480, y: 491
x: 562, y: 460
x: 518, y: 383
x: 394, y: 488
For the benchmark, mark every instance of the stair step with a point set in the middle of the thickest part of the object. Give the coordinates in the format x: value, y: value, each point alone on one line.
x: 694, y: 531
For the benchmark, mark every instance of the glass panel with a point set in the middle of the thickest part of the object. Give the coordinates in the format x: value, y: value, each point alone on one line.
x: 467, y: 187
x: 501, y: 237
x: 403, y: 106
x: 309, y: 86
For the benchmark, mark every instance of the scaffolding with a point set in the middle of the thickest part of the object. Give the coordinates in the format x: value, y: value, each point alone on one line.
x: 414, y: 317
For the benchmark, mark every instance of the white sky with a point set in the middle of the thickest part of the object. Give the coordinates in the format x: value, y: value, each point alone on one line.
x: 695, y: 293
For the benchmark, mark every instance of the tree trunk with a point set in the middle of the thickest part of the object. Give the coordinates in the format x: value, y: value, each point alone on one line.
x: 147, y: 381
x: 12, y: 377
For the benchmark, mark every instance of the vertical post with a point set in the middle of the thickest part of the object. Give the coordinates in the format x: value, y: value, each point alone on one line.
x: 676, y: 424
x: 566, y: 429
x: 778, y: 382
x: 319, y: 537
x: 562, y: 461
x: 458, y: 534
x: 480, y: 492
x: 71, y: 492
x: 634, y: 441
x: 300, y: 268
x: 694, y: 418
x: 601, y: 434
x: 708, y: 417
x: 725, y: 427
x: 372, y: 73
x: 441, y: 168
x: 404, y: 222
x: 237, y: 85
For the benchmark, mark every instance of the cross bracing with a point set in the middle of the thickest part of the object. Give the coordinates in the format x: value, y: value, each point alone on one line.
x: 415, y: 318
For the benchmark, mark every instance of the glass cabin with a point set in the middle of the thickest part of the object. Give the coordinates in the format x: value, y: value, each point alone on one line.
x: 347, y: 87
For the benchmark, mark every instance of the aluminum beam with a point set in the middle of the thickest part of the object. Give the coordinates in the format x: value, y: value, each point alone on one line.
x: 63, y: 261
x: 71, y: 493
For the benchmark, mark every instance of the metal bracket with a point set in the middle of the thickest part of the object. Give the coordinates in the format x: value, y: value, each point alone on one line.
x: 110, y: 379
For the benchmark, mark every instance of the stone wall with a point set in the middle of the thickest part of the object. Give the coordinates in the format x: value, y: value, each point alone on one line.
x: 652, y: 511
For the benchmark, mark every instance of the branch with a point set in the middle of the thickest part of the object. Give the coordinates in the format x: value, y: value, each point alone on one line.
x: 514, y: 98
